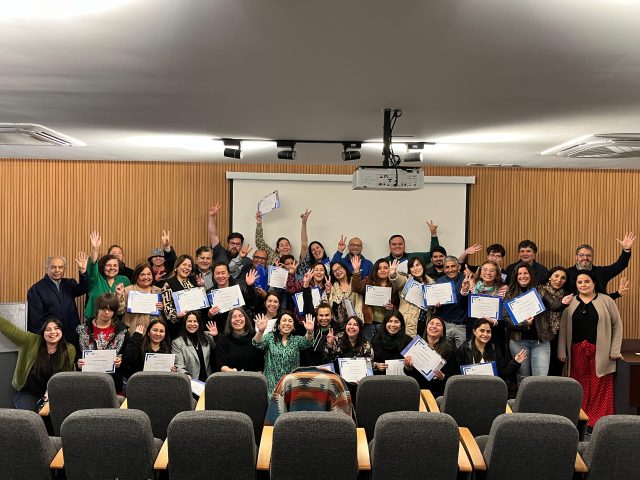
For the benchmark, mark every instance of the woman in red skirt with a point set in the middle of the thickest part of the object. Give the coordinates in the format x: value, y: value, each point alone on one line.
x: 590, y: 340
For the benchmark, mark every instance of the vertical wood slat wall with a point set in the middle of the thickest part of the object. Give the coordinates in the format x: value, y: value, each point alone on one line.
x: 49, y: 207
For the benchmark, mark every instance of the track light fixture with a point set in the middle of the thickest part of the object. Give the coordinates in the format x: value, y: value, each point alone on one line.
x: 286, y: 154
x: 351, y: 154
x: 232, y: 148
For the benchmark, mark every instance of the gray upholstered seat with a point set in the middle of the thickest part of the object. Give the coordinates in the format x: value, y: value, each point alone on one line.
x: 108, y: 443
x: 244, y: 392
x: 382, y: 394
x: 26, y: 450
x: 225, y: 445
x: 415, y: 445
x: 161, y: 395
x: 614, y: 450
x: 71, y: 391
x: 314, y: 446
x: 474, y: 401
x: 530, y: 446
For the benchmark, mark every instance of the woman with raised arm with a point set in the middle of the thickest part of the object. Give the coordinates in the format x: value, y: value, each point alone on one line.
x: 222, y: 279
x: 103, y: 275
x: 152, y: 339
x: 39, y: 358
x: 142, y: 279
x: 415, y: 317
x: 181, y: 278
x: 281, y: 348
x: 389, y: 342
x: 283, y: 246
x: 194, y: 347
x: 373, y: 315
x: 234, y: 350
x: 340, y: 294
x: 590, y: 342
x: 436, y: 336
x: 162, y: 260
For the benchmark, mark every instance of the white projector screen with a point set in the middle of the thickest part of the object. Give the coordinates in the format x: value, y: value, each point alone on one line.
x: 337, y: 209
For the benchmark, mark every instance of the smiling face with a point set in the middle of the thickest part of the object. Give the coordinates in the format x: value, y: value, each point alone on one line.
x: 260, y: 258
x: 585, y: 285
x: 156, y: 333
x: 396, y: 246
x: 495, y: 257
x: 55, y: 270
x: 283, y: 247
x: 52, y: 334
x: 482, y: 334
x: 339, y: 272
x: 558, y: 279
x: 238, y: 321
x: 352, y: 328
x: 317, y: 252
x: 324, y: 317
x: 157, y: 261
x: 584, y: 258
x: 488, y: 273
x: 116, y: 252
x: 285, y: 326
x: 416, y: 269
x: 383, y: 270
x: 318, y: 273
x: 234, y: 245
x: 451, y: 269
x: 145, y: 279
x: 437, y: 258
x: 435, y: 328
x: 355, y: 246
x: 221, y: 275
x: 204, y: 261
x: 523, y: 277
x: 393, y: 325
x: 272, y: 304
x: 111, y: 268
x: 191, y: 324
x: 527, y: 255
x: 184, y: 269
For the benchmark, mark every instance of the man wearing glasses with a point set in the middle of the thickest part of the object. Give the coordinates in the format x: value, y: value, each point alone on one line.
x: 355, y: 249
x: 235, y: 254
x: 603, y: 274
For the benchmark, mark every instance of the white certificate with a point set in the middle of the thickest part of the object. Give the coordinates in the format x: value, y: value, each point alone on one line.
x: 354, y: 369
x: 485, y: 368
x: 142, y: 302
x: 190, y: 299
x: 377, y: 296
x: 99, y: 361
x: 485, y: 306
x: 197, y: 387
x: 159, y: 362
x: 269, y: 203
x: 413, y: 292
x: 316, y: 297
x: 226, y: 298
x: 394, y: 367
x: 525, y: 306
x: 348, y: 306
x: 424, y: 359
x: 278, y: 277
x: 439, y: 293
x: 327, y: 366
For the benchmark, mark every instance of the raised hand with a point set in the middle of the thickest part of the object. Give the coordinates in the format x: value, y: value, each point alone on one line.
x: 245, y: 250
x: 475, y: 248
x: 160, y: 276
x: 566, y: 300
x: 330, y: 337
x: 261, y: 322
x: 624, y: 285
x: 393, y: 267
x: 306, y: 279
x: 627, y: 241
x: 120, y: 290
x: 165, y: 239
x: 81, y: 260
x: 309, y: 323
x: 140, y: 329
x: 502, y: 291
x: 520, y: 357
x: 327, y: 284
x: 433, y: 228
x: 200, y: 280
x: 466, y: 282
x: 214, y: 209
x: 212, y: 329
x: 251, y: 277
x: 258, y: 217
x: 355, y: 263
x: 304, y: 216
x: 213, y: 311
x: 294, y: 267
x: 96, y: 240
x: 342, y: 244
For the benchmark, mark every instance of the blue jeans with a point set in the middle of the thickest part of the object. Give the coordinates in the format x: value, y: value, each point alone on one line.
x: 538, y: 357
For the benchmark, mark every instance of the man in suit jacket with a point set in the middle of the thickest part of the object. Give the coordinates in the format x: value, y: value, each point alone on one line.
x: 55, y: 296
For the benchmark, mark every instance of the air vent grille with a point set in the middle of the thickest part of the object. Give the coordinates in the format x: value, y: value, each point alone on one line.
x: 611, y: 145
x: 24, y: 134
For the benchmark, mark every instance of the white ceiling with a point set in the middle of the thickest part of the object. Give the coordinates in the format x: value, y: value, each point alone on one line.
x: 490, y: 81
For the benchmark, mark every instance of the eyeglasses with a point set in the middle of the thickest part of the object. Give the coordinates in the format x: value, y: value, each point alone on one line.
x: 235, y: 243
x: 255, y: 257
x: 585, y: 255
x: 357, y: 245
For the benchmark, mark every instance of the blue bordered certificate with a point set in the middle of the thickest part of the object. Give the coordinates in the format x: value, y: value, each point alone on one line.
x: 485, y: 306
x: 355, y: 369
x: 524, y: 306
x: 226, y: 298
x: 142, y: 302
x: 485, y: 368
x: 269, y: 203
x: 413, y: 292
x: 424, y: 360
x: 190, y: 299
x: 102, y: 361
x: 440, y: 293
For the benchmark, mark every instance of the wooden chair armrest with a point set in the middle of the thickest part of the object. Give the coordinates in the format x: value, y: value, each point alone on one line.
x: 58, y: 461
x: 124, y: 405
x: 162, y: 460
x: 421, y: 406
x: 583, y: 417
x: 464, y: 464
x: 472, y: 449
x: 264, y: 452
x: 580, y: 467
x: 44, y: 411
x: 364, y: 462
x: 429, y: 399
x: 508, y: 409
x: 200, y: 404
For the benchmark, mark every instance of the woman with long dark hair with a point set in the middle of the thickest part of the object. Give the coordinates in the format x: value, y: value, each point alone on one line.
x: 234, y: 350
x: 340, y: 293
x: 39, y: 358
x: 194, y: 347
x: 153, y: 339
x: 142, y: 279
x: 415, y: 317
x: 182, y: 278
x: 389, y: 342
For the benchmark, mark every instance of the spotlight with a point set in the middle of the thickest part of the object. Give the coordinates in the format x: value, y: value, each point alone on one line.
x: 232, y: 148
x: 414, y: 152
x: 286, y: 154
x: 351, y: 154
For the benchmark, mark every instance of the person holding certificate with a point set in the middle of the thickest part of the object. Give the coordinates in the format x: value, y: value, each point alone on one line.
x: 373, y: 314
x: 480, y: 349
x: 104, y: 333
x: 281, y: 348
x: 389, y: 342
x: 589, y: 342
x: 222, y: 279
x: 40, y: 356
x: 316, y: 254
x: 152, y: 339
x: 436, y: 336
x: 194, y: 347
x: 180, y: 279
x: 325, y: 323
x: 283, y: 245
x: 350, y: 343
x: 454, y: 314
x: 415, y: 316
x: 534, y: 333
x: 234, y: 350
x: 340, y: 294
x: 137, y: 308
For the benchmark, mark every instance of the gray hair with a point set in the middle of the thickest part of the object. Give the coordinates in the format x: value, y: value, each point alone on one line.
x: 47, y: 262
x: 451, y: 258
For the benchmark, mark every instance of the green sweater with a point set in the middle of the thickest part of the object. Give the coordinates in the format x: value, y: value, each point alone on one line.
x: 28, y: 343
x: 98, y: 285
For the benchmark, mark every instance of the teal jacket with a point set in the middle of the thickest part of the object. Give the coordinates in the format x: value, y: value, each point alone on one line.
x: 98, y: 285
x: 28, y: 344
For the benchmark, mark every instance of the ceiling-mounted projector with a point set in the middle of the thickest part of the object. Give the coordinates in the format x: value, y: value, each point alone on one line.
x: 376, y: 178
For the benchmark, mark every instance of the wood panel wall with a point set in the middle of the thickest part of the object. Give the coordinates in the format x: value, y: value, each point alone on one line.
x: 49, y: 207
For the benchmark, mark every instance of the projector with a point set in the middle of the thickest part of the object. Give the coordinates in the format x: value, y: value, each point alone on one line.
x: 375, y: 178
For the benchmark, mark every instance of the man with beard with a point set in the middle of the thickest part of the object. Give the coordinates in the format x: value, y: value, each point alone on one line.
x: 235, y: 255
x: 435, y: 269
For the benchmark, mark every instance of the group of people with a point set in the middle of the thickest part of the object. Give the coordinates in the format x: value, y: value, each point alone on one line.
x: 579, y: 332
